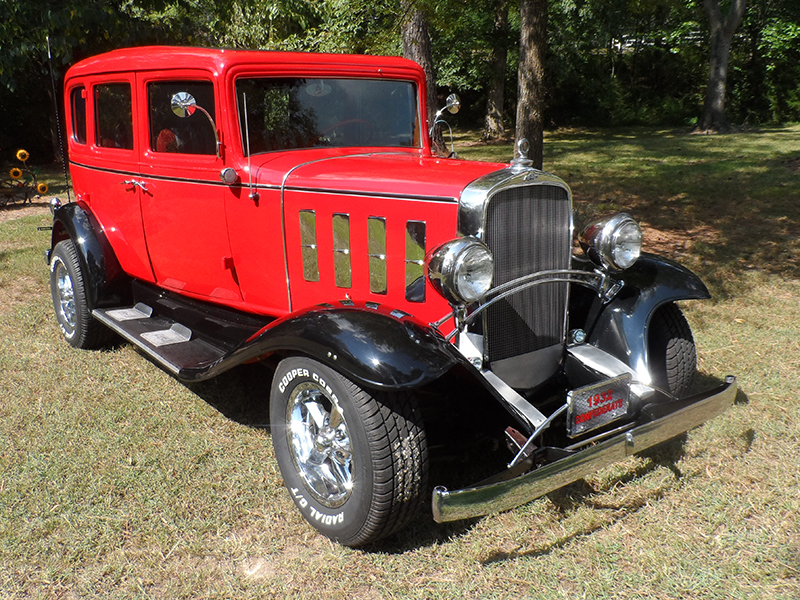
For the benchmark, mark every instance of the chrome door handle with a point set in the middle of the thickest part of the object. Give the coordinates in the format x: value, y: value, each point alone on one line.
x: 135, y: 183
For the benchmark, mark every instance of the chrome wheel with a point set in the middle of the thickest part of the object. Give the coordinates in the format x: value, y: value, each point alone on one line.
x: 70, y: 300
x: 354, y: 461
x: 320, y: 444
x: 65, y: 295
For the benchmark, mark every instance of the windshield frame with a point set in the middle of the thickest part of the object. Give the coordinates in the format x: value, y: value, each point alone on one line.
x: 412, y: 138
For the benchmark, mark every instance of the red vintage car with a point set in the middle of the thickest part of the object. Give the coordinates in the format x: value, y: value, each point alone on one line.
x: 240, y: 206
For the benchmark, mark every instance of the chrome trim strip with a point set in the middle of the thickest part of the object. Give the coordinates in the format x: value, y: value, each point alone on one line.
x: 376, y: 195
x: 376, y: 235
x: 265, y: 186
x: 497, y: 497
x: 524, y: 410
x: 416, y: 239
x: 342, y: 270
x: 308, y: 244
x: 214, y: 182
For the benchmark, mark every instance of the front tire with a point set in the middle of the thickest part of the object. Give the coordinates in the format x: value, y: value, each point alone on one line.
x: 355, y: 462
x: 68, y: 289
x: 671, y: 348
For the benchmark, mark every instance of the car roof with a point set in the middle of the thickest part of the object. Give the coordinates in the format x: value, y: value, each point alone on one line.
x: 150, y: 58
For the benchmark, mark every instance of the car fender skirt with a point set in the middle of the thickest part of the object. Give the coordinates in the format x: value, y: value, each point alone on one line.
x: 98, y: 263
x: 372, y: 346
x: 621, y: 326
x: 510, y: 489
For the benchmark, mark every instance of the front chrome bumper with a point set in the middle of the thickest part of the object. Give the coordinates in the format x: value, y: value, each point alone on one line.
x: 505, y: 495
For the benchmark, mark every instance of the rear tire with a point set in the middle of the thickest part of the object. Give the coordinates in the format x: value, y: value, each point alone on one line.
x: 671, y: 349
x: 355, y: 462
x: 68, y: 289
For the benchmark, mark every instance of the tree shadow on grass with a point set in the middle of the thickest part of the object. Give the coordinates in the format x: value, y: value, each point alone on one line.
x: 721, y: 204
x: 563, y: 502
x: 241, y: 394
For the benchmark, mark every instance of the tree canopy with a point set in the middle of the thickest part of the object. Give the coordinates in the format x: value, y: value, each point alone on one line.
x: 607, y: 62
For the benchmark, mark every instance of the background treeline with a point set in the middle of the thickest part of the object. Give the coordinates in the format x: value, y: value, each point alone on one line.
x: 609, y: 62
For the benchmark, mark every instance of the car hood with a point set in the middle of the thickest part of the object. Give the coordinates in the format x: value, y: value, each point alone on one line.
x: 377, y: 172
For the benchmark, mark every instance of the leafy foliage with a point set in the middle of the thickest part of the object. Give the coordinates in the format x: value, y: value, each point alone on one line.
x: 609, y: 61
x: 77, y: 29
x: 766, y: 64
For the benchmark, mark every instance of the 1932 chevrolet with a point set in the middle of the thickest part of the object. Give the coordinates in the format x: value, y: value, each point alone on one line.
x: 240, y: 206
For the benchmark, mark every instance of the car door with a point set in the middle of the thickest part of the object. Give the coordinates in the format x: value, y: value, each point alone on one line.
x: 183, y: 199
x: 103, y: 163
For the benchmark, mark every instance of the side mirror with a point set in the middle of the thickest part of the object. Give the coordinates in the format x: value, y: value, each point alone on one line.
x: 184, y: 105
x: 452, y: 104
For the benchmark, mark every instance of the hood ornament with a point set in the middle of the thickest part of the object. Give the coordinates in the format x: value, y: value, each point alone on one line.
x: 521, y: 162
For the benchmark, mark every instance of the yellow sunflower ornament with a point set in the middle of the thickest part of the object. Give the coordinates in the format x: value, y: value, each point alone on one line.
x: 15, y: 173
x: 42, y: 188
x: 22, y: 155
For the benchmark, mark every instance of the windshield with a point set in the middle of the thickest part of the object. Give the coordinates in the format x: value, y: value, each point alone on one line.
x: 290, y: 113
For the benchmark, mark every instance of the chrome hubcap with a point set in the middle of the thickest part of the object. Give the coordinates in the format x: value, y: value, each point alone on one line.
x: 66, y: 295
x: 320, y: 444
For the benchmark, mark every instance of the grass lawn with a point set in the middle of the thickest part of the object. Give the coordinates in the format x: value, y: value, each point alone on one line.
x: 117, y: 481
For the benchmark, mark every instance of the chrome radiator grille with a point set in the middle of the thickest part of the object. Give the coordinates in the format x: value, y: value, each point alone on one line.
x: 528, y: 230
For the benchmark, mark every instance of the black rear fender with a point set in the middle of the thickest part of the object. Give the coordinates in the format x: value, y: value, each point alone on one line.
x: 99, y: 264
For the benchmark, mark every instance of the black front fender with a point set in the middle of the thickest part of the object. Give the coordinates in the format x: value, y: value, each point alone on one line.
x: 367, y: 343
x: 621, y: 326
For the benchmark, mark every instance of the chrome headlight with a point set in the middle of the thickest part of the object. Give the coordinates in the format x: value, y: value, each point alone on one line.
x: 613, y: 243
x: 461, y: 270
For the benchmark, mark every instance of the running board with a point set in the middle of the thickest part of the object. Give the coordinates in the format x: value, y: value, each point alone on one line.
x: 169, y: 344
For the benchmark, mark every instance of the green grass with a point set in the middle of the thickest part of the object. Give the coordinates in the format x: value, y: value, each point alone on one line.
x: 117, y: 481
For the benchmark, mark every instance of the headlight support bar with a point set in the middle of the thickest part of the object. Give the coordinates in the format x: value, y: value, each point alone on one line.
x: 605, y: 286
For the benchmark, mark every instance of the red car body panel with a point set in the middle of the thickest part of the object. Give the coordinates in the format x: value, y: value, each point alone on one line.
x: 171, y: 221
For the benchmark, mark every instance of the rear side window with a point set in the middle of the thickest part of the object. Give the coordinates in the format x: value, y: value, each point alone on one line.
x: 114, y: 116
x: 78, y: 110
x: 192, y: 134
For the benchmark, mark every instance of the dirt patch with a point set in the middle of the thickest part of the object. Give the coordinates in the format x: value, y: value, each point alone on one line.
x: 678, y: 243
x: 9, y: 212
x: 20, y: 290
x: 793, y: 164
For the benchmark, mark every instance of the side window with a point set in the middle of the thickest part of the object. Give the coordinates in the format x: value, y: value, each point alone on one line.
x: 78, y: 110
x: 186, y: 135
x: 114, y: 116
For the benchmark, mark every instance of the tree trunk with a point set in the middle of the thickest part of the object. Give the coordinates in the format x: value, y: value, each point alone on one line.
x: 722, y: 30
x: 417, y: 47
x: 530, y: 77
x: 493, y: 122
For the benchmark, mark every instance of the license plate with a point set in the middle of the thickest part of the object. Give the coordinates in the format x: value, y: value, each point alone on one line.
x: 598, y: 404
